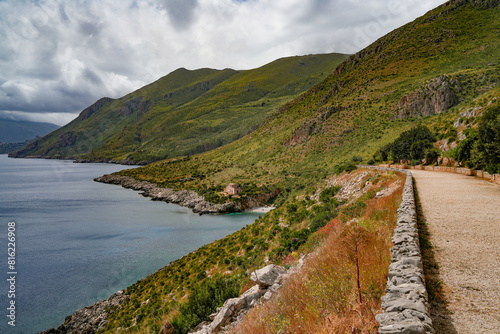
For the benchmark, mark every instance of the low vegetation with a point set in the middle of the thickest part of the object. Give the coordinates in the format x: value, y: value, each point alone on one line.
x: 339, y: 289
x: 363, y: 107
x: 188, y: 290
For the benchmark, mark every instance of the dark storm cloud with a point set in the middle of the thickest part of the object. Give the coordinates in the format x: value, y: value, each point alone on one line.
x: 180, y: 12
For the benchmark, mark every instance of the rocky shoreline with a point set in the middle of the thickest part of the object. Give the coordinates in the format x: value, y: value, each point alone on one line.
x: 90, y: 319
x: 185, y: 198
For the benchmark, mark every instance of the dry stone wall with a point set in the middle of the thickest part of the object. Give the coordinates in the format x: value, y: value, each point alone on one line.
x: 405, y: 303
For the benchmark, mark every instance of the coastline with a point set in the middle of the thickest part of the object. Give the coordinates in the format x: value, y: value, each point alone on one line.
x: 185, y: 198
x: 189, y: 198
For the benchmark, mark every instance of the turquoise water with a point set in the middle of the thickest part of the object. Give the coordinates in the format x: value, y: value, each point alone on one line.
x: 78, y: 241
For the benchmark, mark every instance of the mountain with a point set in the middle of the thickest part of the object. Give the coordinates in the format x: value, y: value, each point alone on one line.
x: 421, y: 73
x: 183, y: 113
x: 20, y: 131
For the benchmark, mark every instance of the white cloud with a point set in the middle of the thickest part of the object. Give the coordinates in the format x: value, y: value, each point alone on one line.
x: 60, y: 56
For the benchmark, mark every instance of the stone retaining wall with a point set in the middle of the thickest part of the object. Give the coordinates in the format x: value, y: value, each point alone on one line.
x: 457, y: 170
x: 405, y: 303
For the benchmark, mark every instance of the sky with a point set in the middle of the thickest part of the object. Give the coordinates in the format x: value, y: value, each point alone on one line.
x: 59, y: 56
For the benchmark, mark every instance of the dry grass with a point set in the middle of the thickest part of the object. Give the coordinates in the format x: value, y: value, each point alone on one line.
x: 339, y: 288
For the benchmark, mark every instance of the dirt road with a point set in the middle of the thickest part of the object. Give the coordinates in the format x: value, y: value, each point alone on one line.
x: 463, y: 217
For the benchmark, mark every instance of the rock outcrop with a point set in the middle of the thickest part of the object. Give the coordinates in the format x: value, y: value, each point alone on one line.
x: 266, y: 276
x: 269, y: 279
x: 311, y: 126
x: 90, y: 319
x: 436, y: 97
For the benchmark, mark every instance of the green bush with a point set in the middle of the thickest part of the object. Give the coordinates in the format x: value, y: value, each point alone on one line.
x: 481, y: 148
x: 321, y: 220
x: 328, y: 193
x: 412, y: 144
x: 353, y: 210
x: 486, y: 151
x: 431, y: 155
x: 345, y: 168
x: 203, y: 301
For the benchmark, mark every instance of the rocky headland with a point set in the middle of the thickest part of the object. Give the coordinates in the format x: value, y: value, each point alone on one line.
x: 187, y: 198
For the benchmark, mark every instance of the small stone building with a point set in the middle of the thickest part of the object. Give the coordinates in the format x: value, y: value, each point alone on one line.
x: 232, y: 189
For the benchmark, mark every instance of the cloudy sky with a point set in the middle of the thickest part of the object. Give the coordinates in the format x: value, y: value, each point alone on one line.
x: 59, y: 56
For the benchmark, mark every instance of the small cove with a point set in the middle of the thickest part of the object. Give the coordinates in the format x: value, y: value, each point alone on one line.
x: 78, y: 241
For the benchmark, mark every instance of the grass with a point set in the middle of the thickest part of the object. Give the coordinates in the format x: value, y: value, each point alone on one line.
x: 278, y: 236
x: 339, y: 289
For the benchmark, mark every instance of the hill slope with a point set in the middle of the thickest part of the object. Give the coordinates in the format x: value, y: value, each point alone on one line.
x: 19, y: 131
x: 183, y: 113
x: 428, y: 67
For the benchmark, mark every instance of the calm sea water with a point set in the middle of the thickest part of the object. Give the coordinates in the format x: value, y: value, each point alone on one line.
x: 78, y: 241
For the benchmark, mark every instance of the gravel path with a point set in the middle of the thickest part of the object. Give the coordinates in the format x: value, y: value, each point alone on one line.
x: 463, y: 217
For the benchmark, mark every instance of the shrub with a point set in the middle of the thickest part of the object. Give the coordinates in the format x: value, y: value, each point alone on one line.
x: 328, y: 193
x: 345, y: 168
x: 203, y: 301
x: 481, y: 148
x: 411, y: 144
x: 353, y: 210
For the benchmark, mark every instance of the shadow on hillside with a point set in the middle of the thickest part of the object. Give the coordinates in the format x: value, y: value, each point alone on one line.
x: 440, y: 314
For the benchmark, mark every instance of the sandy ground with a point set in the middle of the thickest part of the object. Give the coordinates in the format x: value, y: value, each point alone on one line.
x: 262, y: 209
x: 463, y: 217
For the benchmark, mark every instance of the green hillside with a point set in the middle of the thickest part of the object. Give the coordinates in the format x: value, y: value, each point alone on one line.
x: 183, y: 113
x: 420, y: 73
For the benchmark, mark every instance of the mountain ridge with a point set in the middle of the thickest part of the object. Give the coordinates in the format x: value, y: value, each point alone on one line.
x: 183, y: 113
x: 12, y: 131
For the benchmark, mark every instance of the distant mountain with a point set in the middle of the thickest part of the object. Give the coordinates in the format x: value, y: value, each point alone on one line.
x: 184, y: 113
x: 19, y: 131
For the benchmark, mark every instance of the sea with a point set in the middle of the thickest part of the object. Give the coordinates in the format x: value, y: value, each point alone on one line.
x: 67, y: 241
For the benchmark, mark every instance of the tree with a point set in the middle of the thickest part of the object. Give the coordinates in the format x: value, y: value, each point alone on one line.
x: 412, y: 144
x: 486, y: 151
